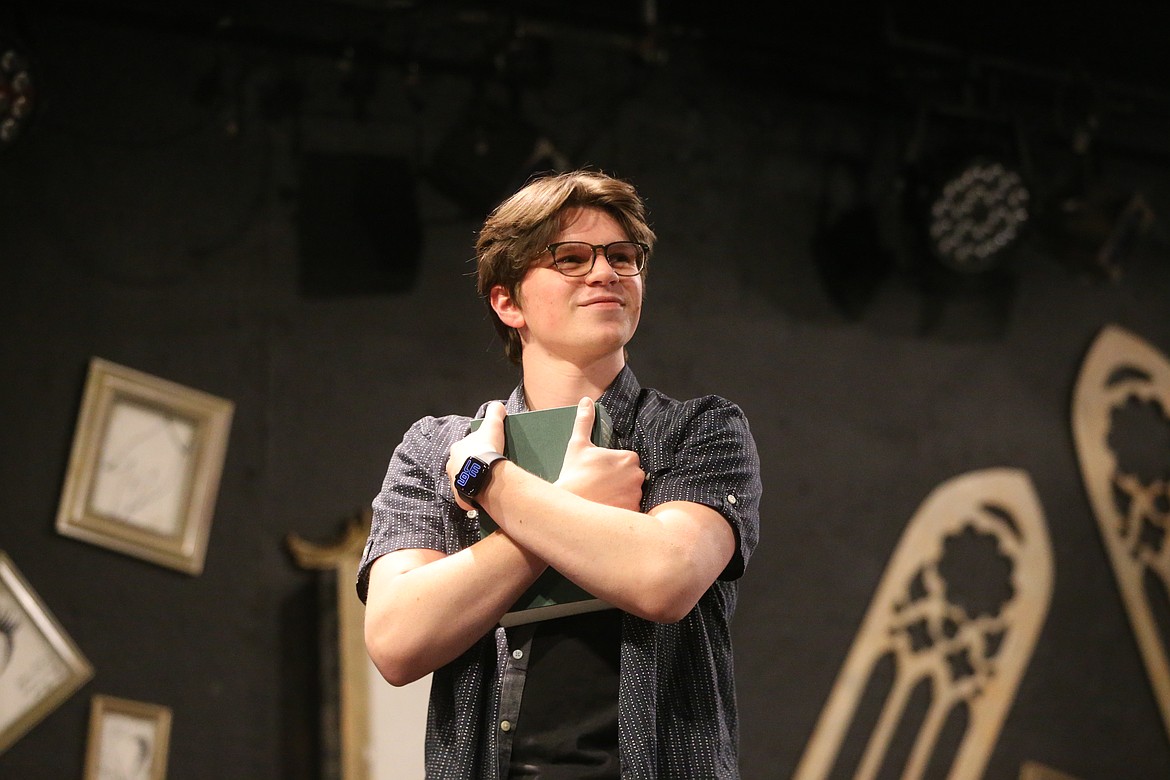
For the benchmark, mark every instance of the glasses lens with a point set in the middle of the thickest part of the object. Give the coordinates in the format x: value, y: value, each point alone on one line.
x: 625, y: 257
x: 573, y: 258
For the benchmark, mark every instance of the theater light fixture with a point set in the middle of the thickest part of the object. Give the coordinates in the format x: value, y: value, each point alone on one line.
x: 968, y: 207
x: 978, y: 215
x: 489, y: 152
x: 17, y: 92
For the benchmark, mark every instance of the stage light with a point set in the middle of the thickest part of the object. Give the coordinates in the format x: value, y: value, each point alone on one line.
x: 978, y: 216
x: 17, y: 92
x: 488, y: 154
x: 358, y: 228
x: 969, y: 209
x: 1093, y: 231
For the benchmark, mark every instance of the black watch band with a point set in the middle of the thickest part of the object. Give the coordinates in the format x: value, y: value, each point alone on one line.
x: 475, y: 474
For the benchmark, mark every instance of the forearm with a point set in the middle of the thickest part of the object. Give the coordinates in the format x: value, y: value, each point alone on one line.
x: 425, y: 609
x: 654, y: 565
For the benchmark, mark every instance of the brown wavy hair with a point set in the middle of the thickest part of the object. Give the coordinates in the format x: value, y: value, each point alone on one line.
x: 516, y: 233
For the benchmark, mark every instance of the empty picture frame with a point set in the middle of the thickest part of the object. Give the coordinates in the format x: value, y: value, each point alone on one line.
x: 127, y: 739
x: 40, y: 666
x: 145, y: 466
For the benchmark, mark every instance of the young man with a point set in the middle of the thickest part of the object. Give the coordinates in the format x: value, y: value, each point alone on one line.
x: 660, y: 527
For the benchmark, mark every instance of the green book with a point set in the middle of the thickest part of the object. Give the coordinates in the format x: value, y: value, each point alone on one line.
x: 536, y: 441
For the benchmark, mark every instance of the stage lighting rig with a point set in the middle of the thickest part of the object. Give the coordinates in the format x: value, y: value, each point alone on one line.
x: 978, y: 215
x: 17, y: 91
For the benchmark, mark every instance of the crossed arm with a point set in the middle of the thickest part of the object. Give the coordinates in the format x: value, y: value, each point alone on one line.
x: 424, y: 608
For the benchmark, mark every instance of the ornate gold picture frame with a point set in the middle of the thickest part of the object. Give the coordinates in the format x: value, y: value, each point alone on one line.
x: 127, y: 739
x: 145, y: 466
x: 40, y: 666
x: 359, y: 704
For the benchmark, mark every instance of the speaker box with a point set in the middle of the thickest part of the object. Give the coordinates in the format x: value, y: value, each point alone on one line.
x: 357, y: 225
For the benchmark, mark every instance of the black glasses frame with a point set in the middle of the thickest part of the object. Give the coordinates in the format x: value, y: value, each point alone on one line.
x: 641, y: 264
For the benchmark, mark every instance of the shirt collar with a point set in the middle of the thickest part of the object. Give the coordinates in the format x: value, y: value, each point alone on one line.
x: 619, y: 399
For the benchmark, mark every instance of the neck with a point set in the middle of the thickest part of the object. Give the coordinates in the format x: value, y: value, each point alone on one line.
x: 550, y: 383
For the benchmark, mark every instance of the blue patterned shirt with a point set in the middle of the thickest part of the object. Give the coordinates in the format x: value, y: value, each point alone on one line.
x: 676, y: 701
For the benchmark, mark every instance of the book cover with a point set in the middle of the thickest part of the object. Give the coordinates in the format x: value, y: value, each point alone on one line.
x: 536, y: 441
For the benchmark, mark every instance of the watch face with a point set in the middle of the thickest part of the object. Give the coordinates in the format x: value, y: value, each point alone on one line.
x: 470, y: 476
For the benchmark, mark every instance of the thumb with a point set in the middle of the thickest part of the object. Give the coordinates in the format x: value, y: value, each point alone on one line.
x: 583, y: 425
x: 493, y: 420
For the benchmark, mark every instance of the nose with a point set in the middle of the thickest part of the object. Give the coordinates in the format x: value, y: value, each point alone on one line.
x: 601, y: 272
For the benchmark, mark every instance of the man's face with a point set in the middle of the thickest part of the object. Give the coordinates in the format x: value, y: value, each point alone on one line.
x: 580, y: 319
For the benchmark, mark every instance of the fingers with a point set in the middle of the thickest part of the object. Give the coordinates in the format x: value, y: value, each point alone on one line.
x: 583, y: 425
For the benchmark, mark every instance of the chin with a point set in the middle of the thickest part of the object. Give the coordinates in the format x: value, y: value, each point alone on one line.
x: 596, y: 351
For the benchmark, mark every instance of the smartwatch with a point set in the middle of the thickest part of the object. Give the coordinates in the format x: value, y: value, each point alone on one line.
x: 475, y: 474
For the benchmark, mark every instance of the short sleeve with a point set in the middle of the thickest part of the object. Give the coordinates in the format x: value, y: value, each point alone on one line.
x: 706, y: 454
x: 415, y: 507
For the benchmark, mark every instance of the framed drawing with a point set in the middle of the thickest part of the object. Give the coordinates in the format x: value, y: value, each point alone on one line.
x: 40, y: 666
x: 127, y: 739
x: 145, y: 466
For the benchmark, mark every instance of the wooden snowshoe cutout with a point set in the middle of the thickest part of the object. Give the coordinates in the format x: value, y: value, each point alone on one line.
x: 1034, y: 770
x: 957, y: 613
x: 1121, y: 425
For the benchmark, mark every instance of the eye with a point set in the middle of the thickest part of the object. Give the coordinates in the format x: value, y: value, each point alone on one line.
x: 627, y: 257
x: 573, y: 254
x: 8, y: 626
x: 623, y: 254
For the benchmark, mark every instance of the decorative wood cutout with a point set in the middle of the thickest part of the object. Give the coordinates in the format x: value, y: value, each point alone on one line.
x: 1032, y: 770
x: 957, y: 613
x: 1121, y: 425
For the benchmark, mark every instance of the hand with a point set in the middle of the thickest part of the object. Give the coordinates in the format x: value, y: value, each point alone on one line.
x: 607, y: 476
x: 489, y: 437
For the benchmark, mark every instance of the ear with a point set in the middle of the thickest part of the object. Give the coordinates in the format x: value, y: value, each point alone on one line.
x: 506, y: 306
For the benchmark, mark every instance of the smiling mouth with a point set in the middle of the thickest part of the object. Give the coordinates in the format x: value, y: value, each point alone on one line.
x: 604, y: 301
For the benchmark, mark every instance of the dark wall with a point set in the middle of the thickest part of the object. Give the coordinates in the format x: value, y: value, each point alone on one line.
x: 154, y: 214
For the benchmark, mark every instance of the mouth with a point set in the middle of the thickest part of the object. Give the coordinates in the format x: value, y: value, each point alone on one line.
x: 604, y: 300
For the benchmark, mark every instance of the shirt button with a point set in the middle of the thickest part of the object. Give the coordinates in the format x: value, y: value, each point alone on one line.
x: 731, y: 498
x: 505, y: 726
x: 517, y: 654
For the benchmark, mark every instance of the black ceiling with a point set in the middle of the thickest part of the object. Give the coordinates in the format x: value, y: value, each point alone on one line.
x: 1110, y: 54
x: 1122, y: 42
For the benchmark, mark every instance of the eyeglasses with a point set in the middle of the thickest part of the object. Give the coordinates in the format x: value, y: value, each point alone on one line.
x: 576, y: 258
